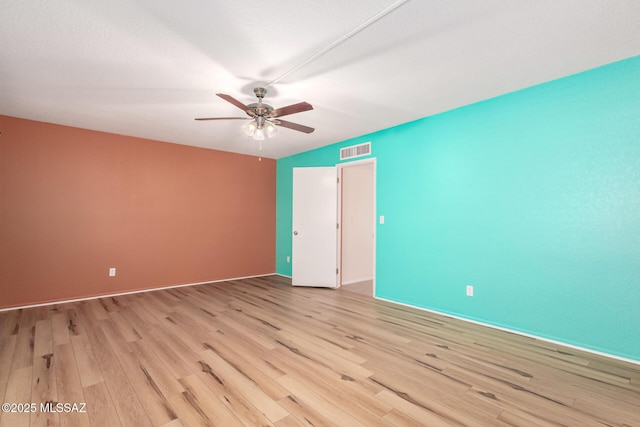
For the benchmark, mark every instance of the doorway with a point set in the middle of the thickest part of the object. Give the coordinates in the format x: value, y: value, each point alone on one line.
x: 357, y: 217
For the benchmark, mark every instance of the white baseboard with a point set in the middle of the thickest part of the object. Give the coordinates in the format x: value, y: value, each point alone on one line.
x: 524, y: 334
x: 131, y: 292
x: 351, y: 282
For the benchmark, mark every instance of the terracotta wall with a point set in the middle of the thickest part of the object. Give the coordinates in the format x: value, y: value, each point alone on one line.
x: 74, y: 203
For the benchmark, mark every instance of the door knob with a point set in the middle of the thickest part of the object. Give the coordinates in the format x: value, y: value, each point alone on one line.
x: 295, y: 233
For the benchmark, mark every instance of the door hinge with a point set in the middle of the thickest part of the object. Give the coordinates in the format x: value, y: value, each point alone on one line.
x: 336, y: 271
x: 338, y: 179
x: 337, y: 225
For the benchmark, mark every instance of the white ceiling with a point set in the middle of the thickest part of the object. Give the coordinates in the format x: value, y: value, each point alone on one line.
x: 147, y: 68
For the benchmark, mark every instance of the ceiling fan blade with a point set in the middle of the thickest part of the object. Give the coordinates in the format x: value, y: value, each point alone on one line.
x: 230, y: 99
x: 222, y: 118
x: 291, y: 109
x: 294, y: 126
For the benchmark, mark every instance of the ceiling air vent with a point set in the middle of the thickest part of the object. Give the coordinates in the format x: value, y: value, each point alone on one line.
x: 355, y: 151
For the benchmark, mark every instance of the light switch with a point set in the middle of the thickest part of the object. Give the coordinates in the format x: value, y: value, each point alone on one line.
x: 381, y: 219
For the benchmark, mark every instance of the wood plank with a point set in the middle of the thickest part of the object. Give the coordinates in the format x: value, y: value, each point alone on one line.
x: 117, y: 342
x: 249, y: 367
x: 137, y: 307
x: 7, y: 348
x: 8, y: 337
x: 26, y: 330
x: 315, y: 352
x: 68, y: 385
x: 243, y: 384
x: 43, y: 338
x: 86, y: 361
x: 60, y: 327
x: 156, y: 342
x: 18, y: 391
x: 300, y: 392
x: 289, y: 421
x: 153, y: 401
x: 75, y: 328
x: 303, y: 413
x: 44, y: 388
x: 99, y: 308
x: 3, y: 389
x: 198, y: 405
x: 400, y: 419
x: 124, y: 327
x: 333, y: 384
x: 416, y: 411
x: 100, y: 406
x: 240, y: 405
x: 167, y: 383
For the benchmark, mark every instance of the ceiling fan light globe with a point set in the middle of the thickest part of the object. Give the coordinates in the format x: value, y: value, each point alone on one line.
x: 250, y: 128
x: 259, y: 135
x: 271, y: 129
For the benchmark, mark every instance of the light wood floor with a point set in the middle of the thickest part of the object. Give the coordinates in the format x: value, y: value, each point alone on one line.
x: 363, y: 288
x: 258, y: 352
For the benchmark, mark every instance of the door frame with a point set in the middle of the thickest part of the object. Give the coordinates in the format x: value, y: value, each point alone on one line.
x: 340, y: 167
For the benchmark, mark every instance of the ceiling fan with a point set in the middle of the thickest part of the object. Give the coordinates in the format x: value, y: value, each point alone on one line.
x: 264, y: 118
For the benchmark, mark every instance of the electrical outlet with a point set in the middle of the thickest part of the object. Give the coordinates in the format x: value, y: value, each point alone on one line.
x: 288, y: 259
x: 469, y: 291
x: 112, y: 272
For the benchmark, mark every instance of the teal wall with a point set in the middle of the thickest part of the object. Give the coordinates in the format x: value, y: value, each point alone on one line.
x: 532, y: 197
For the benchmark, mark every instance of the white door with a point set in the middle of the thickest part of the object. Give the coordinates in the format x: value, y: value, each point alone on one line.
x: 315, y: 213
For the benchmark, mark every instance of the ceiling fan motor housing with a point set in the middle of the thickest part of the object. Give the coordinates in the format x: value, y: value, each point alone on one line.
x: 260, y: 109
